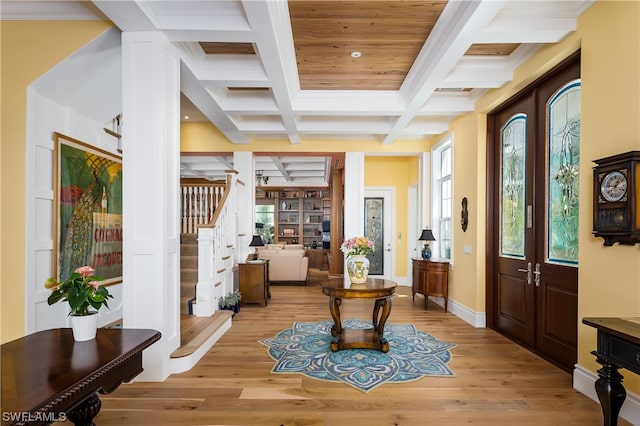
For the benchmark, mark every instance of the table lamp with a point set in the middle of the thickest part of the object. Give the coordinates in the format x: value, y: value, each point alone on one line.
x: 427, y: 235
x: 256, y: 241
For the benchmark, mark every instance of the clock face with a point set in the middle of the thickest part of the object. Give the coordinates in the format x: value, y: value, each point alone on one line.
x: 613, y: 186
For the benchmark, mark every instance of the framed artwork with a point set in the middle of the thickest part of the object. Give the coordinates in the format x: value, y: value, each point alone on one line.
x: 87, y: 219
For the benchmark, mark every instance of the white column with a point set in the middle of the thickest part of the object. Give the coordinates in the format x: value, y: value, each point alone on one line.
x: 243, y: 163
x: 151, y: 181
x: 353, y: 194
x: 353, y: 197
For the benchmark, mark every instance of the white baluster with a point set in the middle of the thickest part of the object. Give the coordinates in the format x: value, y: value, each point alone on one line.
x: 190, y: 211
x: 182, y: 213
x: 207, y: 192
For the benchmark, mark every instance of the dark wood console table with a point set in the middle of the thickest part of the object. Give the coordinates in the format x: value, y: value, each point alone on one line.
x: 48, y: 377
x: 431, y: 278
x: 376, y: 289
x: 618, y: 347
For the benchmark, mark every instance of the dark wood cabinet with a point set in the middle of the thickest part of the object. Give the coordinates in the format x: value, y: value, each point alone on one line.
x: 254, y: 282
x: 431, y: 278
x: 318, y: 259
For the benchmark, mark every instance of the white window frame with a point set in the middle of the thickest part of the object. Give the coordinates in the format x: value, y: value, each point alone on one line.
x: 438, y: 202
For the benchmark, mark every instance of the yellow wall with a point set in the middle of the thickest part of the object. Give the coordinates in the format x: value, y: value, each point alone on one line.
x: 399, y: 173
x: 609, y: 277
x: 28, y: 50
x: 469, y: 177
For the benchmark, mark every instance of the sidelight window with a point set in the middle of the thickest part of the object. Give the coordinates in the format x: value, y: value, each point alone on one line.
x: 442, y: 199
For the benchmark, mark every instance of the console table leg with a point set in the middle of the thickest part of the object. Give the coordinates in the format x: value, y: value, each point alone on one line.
x: 83, y: 414
x: 610, y: 392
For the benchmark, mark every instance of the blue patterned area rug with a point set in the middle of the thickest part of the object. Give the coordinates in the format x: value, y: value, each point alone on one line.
x: 413, y: 354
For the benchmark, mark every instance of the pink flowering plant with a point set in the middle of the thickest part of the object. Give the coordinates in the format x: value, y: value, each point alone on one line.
x: 82, y: 290
x: 357, y: 246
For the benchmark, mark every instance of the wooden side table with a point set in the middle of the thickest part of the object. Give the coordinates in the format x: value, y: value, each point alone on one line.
x: 431, y: 278
x: 254, y: 282
x: 376, y: 289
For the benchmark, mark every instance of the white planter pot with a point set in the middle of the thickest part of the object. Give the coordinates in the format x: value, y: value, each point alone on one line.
x: 84, y: 326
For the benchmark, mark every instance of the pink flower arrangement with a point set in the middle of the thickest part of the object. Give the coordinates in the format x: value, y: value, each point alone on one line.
x: 357, y: 246
x: 82, y: 290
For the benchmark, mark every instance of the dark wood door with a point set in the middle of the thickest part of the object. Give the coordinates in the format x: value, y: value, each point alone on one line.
x: 534, y: 270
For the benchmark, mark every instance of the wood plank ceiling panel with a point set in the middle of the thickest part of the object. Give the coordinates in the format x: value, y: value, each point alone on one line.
x: 389, y: 34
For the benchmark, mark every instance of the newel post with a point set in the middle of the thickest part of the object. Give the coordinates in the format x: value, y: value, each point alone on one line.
x: 206, y: 301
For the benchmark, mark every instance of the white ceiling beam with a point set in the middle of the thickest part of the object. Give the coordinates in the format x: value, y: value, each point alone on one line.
x: 127, y: 15
x: 281, y: 168
x: 275, y: 45
x: 202, y: 100
x: 215, y: 36
x: 450, y: 38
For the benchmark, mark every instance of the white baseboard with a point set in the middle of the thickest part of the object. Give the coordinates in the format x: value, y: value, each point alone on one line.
x: 584, y: 382
x: 476, y: 319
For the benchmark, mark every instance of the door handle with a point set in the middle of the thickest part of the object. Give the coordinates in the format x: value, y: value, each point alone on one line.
x: 528, y: 271
x: 537, y: 273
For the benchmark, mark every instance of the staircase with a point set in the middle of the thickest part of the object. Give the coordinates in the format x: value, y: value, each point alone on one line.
x: 208, y: 255
x: 188, y: 271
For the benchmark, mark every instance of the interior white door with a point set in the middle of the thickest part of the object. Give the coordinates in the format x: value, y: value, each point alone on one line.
x: 379, y: 225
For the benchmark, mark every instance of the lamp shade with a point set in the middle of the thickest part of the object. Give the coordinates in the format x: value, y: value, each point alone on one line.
x: 256, y: 241
x: 427, y: 235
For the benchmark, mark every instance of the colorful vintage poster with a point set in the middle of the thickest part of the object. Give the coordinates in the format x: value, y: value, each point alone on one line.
x: 88, y: 219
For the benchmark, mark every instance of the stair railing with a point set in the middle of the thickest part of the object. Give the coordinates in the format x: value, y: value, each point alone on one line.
x: 199, y: 202
x: 217, y: 249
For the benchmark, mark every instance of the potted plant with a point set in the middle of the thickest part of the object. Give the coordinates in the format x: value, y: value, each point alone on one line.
x: 231, y: 301
x: 82, y: 291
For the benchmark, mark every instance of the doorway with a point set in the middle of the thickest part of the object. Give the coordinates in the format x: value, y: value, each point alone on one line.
x: 533, y: 153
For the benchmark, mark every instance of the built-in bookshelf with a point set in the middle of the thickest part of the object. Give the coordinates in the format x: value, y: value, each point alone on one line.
x: 299, y: 214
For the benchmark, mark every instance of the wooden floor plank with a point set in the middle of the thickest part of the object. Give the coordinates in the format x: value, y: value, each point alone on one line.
x: 497, y: 382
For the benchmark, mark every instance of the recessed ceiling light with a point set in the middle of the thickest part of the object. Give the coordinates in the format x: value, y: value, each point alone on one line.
x: 186, y: 117
x: 356, y: 54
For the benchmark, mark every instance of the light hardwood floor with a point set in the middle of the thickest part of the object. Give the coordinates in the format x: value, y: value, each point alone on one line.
x: 497, y: 382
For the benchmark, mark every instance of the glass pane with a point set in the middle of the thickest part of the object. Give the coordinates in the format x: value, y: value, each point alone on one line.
x: 512, y: 232
x: 445, y: 162
x: 563, y: 137
x: 445, y: 189
x: 444, y: 239
x: 265, y: 222
x: 374, y: 208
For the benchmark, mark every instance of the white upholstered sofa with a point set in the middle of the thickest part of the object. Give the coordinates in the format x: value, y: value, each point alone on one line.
x: 286, y: 264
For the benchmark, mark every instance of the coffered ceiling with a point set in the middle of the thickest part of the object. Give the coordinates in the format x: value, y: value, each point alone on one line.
x: 383, y: 71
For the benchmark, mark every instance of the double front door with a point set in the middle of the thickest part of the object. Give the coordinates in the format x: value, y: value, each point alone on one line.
x: 535, y: 152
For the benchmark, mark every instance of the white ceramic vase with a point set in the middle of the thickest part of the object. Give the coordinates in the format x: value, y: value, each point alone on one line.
x: 84, y: 326
x: 358, y: 269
